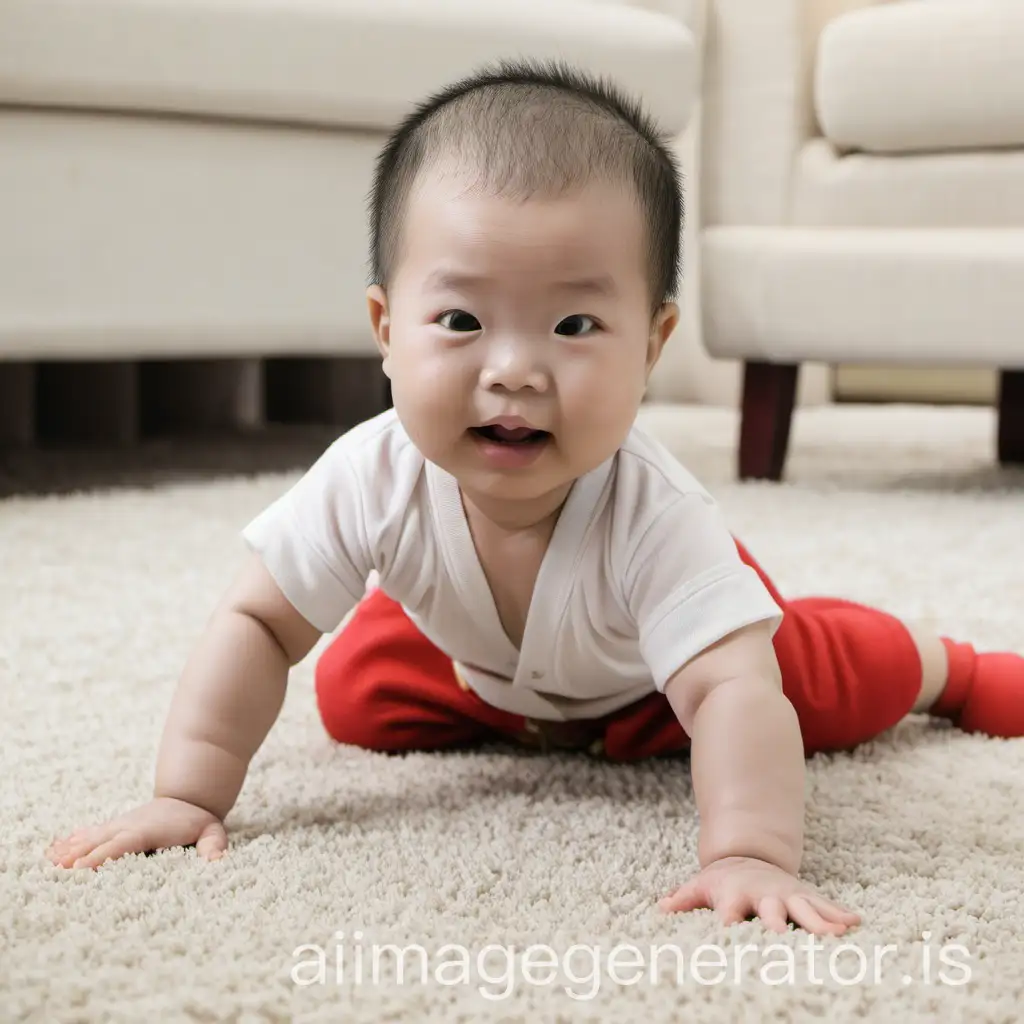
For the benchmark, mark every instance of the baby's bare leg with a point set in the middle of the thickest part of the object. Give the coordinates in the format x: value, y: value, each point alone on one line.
x: 979, y: 692
x: 934, y: 668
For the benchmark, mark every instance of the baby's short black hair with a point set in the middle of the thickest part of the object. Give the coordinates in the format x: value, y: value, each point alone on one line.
x: 533, y: 127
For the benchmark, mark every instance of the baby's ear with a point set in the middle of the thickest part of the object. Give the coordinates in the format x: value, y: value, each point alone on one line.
x: 380, y: 320
x: 664, y: 323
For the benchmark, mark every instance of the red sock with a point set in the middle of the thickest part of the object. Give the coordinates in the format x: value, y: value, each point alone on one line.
x: 984, y: 692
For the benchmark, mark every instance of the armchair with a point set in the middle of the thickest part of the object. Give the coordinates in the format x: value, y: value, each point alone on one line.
x: 862, y: 197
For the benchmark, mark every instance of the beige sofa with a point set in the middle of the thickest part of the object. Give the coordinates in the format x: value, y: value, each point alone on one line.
x: 862, y: 197
x: 187, y: 178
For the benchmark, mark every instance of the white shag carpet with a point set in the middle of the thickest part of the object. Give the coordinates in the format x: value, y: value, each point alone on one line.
x: 460, y: 862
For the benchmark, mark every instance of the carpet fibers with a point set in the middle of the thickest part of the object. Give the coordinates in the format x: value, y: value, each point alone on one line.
x: 345, y: 863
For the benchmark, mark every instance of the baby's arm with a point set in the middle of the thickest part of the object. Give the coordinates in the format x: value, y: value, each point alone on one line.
x: 747, y: 763
x: 746, y: 752
x: 226, y: 702
x: 231, y: 692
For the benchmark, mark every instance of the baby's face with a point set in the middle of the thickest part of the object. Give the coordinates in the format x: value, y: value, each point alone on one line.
x: 518, y: 336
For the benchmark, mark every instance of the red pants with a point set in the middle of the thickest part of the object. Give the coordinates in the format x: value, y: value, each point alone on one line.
x: 850, y: 672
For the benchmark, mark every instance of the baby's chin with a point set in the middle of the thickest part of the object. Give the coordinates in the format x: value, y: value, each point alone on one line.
x: 515, y: 504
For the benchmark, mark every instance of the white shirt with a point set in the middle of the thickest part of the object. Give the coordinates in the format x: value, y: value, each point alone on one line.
x: 640, y: 576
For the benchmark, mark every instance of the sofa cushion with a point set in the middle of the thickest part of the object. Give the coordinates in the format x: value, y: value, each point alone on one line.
x: 357, y: 63
x: 941, y: 297
x: 953, y: 189
x: 923, y: 75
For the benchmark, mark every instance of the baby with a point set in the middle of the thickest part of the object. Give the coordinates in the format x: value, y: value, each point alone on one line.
x: 543, y: 571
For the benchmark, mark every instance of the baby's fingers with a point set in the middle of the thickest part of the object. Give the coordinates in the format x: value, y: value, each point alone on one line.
x: 213, y: 841
x: 692, y: 896
x: 64, y: 852
x: 122, y: 842
x: 832, y: 912
x: 804, y: 914
x: 772, y: 912
x: 735, y: 909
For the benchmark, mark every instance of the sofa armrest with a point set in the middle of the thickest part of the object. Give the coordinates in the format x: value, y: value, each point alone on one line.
x: 757, y: 104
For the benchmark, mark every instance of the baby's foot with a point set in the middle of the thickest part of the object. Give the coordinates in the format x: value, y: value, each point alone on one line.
x: 984, y: 692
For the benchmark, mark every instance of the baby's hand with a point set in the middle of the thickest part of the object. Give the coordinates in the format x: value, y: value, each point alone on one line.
x: 158, y: 825
x: 738, y: 887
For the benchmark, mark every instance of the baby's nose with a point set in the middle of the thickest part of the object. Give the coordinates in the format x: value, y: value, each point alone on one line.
x: 514, y: 364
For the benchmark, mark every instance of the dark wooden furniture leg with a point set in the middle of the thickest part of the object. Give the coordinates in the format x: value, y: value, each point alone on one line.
x: 769, y: 395
x: 1010, y: 444
x: 87, y: 402
x: 197, y: 395
x: 17, y: 403
x: 340, y: 391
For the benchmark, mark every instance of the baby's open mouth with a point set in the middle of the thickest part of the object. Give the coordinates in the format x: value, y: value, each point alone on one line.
x: 511, y: 435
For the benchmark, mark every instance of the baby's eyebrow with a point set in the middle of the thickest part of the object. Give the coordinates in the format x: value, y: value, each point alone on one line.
x: 602, y: 284
x: 455, y: 280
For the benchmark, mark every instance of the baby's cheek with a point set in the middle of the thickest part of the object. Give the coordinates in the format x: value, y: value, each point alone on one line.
x: 617, y: 390
x: 599, y: 422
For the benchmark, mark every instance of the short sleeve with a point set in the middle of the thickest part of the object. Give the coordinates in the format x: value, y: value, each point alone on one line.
x: 687, y: 587
x: 313, y: 540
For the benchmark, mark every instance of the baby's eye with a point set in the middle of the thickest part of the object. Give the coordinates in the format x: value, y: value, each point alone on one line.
x: 459, y: 320
x: 575, y: 324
